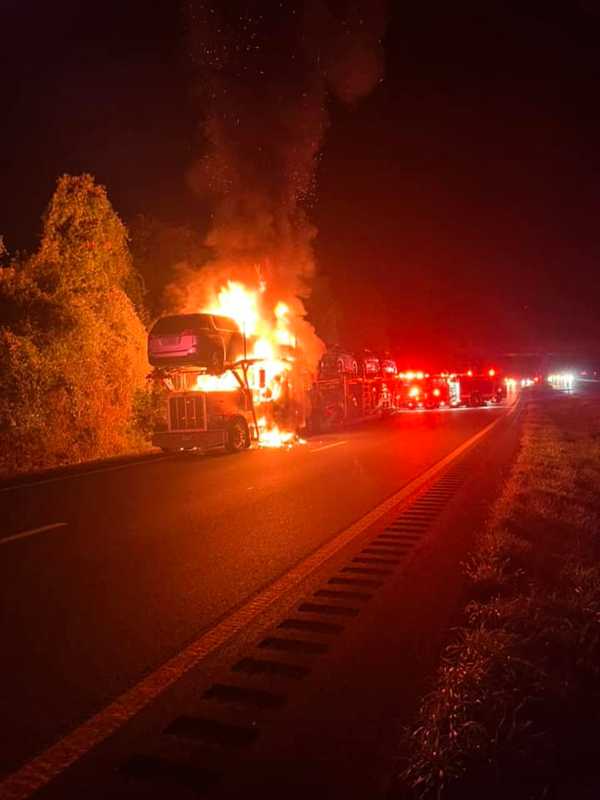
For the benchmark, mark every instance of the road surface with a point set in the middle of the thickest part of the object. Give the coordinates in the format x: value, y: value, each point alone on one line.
x: 105, y: 574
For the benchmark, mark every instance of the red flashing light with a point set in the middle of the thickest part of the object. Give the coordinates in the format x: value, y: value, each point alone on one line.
x: 436, y: 392
x: 414, y: 391
x: 470, y: 373
x: 491, y: 372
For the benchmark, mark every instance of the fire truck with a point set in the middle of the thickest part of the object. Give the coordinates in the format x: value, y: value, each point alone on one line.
x: 422, y: 390
x: 476, y: 389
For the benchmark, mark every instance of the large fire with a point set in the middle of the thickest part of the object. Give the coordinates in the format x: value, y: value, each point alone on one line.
x: 268, y: 360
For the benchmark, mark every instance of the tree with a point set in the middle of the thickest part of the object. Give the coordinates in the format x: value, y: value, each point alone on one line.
x: 84, y: 246
x: 72, y: 344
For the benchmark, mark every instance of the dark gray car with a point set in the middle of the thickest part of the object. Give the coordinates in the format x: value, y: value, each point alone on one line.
x: 206, y: 341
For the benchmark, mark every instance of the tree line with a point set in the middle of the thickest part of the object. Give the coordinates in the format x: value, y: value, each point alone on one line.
x: 73, y: 322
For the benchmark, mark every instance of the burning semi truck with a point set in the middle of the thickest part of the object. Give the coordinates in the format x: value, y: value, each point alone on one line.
x: 221, y: 396
x: 228, y: 382
x: 184, y: 350
x: 225, y: 388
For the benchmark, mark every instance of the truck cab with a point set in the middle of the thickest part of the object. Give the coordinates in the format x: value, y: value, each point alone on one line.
x: 207, y: 421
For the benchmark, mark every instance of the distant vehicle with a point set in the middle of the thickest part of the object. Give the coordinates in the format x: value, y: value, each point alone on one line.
x: 476, y: 390
x: 436, y: 392
x: 205, y: 341
x: 421, y: 390
x: 336, y: 362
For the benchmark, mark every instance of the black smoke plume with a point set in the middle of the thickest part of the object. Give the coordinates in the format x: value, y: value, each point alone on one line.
x: 266, y: 72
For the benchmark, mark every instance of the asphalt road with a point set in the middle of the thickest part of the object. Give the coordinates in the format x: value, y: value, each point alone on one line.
x: 145, y: 556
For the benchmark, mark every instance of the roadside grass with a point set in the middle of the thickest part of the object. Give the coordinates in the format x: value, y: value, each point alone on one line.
x: 515, y: 705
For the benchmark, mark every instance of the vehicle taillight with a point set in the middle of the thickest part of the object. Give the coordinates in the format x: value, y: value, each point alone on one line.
x: 436, y: 392
x: 414, y: 391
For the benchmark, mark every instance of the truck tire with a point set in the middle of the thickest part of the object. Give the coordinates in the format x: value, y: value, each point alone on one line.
x: 238, y: 436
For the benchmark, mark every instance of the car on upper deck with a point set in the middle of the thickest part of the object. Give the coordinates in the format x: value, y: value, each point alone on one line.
x: 204, y: 341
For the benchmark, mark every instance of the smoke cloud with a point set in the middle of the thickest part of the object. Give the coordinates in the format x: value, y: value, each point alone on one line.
x: 266, y: 73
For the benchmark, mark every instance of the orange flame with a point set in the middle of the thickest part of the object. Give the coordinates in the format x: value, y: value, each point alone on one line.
x: 273, y: 436
x: 269, y: 340
x: 234, y: 300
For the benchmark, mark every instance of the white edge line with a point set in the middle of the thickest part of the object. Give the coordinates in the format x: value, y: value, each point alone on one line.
x: 32, y: 532
x: 327, y: 446
x: 32, y: 484
x: 43, y: 768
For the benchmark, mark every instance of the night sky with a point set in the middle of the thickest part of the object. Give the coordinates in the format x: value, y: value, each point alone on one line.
x: 461, y: 197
